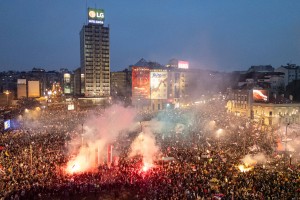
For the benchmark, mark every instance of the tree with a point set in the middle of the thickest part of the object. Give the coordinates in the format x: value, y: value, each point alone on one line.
x: 28, y: 103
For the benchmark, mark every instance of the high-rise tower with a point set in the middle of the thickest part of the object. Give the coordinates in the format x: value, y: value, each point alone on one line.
x: 95, y: 56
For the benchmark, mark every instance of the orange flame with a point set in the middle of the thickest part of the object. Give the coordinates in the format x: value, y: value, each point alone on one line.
x: 279, y: 145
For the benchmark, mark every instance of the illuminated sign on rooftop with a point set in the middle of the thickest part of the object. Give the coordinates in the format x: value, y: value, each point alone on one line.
x: 96, y: 16
x: 183, y: 64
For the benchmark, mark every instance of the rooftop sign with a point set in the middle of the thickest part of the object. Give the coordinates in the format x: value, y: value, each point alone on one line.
x: 96, y: 16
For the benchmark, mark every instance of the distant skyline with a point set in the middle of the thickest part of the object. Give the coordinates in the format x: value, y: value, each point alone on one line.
x: 217, y: 35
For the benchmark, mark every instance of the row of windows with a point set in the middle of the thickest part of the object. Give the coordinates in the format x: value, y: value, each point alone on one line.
x: 96, y: 64
x: 103, y: 77
x: 90, y: 45
x: 97, y: 70
x: 240, y: 97
x: 93, y: 56
x: 238, y: 105
x: 98, y: 85
x: 96, y: 42
x: 93, y: 51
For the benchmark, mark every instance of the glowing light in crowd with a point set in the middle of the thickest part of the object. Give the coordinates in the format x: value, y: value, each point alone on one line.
x: 75, y: 168
x: 245, y: 168
x: 79, y: 164
x: 93, y: 150
x: 219, y: 132
x: 145, y: 145
x: 147, y: 166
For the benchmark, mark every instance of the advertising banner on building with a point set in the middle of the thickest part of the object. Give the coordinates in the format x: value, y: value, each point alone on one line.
x: 67, y: 83
x: 158, y: 85
x: 21, y: 81
x: 96, y: 16
x: 21, y: 91
x: 6, y: 124
x: 140, y: 83
x: 33, y: 89
x: 260, y: 96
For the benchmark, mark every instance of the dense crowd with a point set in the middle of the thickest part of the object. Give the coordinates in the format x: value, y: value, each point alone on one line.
x: 204, y: 164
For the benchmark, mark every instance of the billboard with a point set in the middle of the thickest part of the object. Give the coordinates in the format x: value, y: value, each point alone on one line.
x: 67, y: 78
x: 183, y: 64
x: 33, y: 89
x: 6, y: 124
x: 21, y: 88
x: 21, y: 81
x: 95, y: 16
x: 67, y: 83
x: 158, y: 85
x: 140, y: 83
x: 21, y: 91
x: 260, y: 95
x: 71, y: 107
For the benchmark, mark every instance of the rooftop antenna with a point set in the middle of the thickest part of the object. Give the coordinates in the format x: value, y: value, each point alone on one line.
x: 86, y: 10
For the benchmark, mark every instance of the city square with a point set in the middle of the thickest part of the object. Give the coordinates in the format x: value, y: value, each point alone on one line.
x: 175, y: 101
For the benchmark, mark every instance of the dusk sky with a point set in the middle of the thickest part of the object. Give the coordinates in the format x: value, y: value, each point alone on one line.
x: 218, y: 35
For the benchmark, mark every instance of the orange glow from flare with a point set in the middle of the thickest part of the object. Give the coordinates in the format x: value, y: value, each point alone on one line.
x: 146, y: 167
x: 245, y: 168
x: 279, y: 145
x: 73, y: 168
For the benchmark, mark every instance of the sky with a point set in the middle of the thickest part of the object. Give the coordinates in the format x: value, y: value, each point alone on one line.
x: 224, y: 35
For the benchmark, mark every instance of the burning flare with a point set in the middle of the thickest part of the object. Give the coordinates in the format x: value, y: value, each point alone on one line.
x: 146, y: 167
x: 245, y: 168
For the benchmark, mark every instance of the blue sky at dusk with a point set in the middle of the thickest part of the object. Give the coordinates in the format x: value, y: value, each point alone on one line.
x: 218, y: 35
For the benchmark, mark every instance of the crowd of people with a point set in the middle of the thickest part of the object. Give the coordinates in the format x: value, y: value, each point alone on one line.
x: 202, y: 164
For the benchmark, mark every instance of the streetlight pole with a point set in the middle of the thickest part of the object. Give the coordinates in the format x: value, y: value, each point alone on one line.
x: 244, y: 145
x: 30, y: 148
x: 285, y: 153
x: 82, y: 134
x: 218, y: 137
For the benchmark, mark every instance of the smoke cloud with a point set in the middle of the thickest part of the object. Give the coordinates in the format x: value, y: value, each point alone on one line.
x: 251, y: 160
x: 145, y: 145
x: 99, y: 131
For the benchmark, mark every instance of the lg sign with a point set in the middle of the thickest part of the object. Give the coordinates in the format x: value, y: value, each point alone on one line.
x: 96, y: 16
x: 93, y: 14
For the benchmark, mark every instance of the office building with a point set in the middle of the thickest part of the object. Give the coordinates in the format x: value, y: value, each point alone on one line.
x: 291, y: 73
x: 95, y: 56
